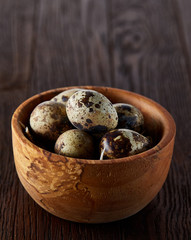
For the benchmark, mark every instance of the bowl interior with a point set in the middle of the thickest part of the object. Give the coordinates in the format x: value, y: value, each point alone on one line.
x: 154, y: 115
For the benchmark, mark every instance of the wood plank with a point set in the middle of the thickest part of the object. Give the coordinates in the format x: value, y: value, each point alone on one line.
x: 71, y: 45
x: 183, y: 9
x: 16, y: 46
x: 149, y: 58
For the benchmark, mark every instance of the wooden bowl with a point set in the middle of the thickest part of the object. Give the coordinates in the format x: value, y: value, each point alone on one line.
x: 95, y: 191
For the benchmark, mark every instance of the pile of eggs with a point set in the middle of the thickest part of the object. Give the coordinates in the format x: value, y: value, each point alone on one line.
x: 83, y: 123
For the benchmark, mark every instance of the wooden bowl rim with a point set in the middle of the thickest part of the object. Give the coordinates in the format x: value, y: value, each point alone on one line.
x: 167, y: 137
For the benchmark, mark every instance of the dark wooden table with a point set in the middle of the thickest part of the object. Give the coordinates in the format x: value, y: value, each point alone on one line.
x: 142, y: 46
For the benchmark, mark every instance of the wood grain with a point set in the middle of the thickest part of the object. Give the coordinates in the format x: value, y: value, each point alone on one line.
x: 78, y: 32
x: 182, y: 9
x: 88, y: 191
x: 138, y: 45
x: 151, y: 59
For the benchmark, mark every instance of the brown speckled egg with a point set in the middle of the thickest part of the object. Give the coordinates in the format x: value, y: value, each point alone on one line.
x: 129, y: 117
x: 65, y: 95
x: 49, y: 119
x: 120, y: 143
x: 91, y: 111
x: 75, y: 143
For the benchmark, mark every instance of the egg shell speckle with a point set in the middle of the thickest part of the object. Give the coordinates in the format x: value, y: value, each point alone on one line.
x: 75, y: 143
x: 91, y: 111
x: 122, y: 143
x: 129, y: 117
x: 49, y: 119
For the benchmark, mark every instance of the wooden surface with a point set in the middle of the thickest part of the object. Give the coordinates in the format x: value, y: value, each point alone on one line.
x: 142, y: 46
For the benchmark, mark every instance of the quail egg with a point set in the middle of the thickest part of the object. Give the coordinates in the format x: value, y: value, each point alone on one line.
x: 120, y: 143
x: 49, y: 119
x: 65, y: 95
x: 75, y: 143
x: 91, y: 111
x: 129, y: 117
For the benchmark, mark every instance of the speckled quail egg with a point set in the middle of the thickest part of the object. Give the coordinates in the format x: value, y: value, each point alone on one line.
x: 49, y: 119
x: 65, y: 95
x: 91, y: 111
x: 75, y: 143
x: 120, y: 143
x: 129, y: 117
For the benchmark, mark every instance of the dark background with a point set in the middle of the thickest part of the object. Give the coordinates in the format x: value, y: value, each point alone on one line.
x: 141, y: 46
